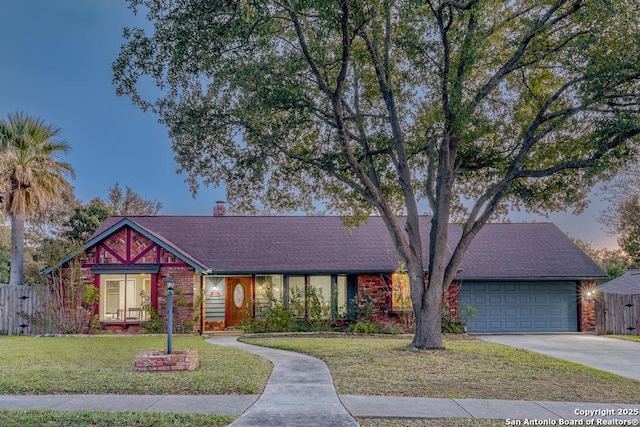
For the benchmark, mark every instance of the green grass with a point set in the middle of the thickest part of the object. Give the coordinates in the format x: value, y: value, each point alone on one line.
x: 37, y: 418
x: 430, y: 422
x: 625, y: 337
x: 468, y: 368
x: 105, y: 365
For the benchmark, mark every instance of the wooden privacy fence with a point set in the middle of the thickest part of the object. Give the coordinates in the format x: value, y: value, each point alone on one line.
x: 618, y: 314
x: 22, y: 311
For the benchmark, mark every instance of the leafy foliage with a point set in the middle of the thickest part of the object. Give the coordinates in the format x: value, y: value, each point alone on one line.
x: 32, y: 176
x: 129, y: 202
x: 629, y: 227
x: 622, y: 216
x: 613, y: 261
x: 373, y: 106
x: 85, y: 219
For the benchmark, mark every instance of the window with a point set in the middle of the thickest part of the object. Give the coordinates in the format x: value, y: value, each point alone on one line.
x: 268, y: 292
x: 320, y: 297
x: 214, y: 298
x: 400, y: 291
x: 297, y: 295
x: 342, y: 295
x: 124, y: 296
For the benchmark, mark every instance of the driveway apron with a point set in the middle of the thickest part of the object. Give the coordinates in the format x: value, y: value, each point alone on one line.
x: 607, y: 354
x: 300, y: 391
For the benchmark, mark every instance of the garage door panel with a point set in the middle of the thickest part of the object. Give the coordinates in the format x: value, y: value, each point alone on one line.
x: 524, y: 299
x: 529, y: 307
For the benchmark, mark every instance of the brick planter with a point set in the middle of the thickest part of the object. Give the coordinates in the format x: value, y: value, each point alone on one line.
x: 179, y: 360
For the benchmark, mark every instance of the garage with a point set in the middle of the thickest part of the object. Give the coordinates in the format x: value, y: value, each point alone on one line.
x: 521, y: 306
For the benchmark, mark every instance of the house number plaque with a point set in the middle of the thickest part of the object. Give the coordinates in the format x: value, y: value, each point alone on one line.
x: 238, y: 295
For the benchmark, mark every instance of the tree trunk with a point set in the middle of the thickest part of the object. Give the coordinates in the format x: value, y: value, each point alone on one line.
x: 428, y: 323
x: 16, y: 276
x: 427, y: 308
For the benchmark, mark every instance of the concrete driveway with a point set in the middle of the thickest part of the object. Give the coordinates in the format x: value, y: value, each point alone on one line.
x: 608, y: 354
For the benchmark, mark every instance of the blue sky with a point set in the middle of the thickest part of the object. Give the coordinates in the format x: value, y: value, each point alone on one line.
x: 55, y: 63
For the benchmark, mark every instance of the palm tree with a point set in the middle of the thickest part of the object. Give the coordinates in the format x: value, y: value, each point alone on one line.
x: 32, y: 176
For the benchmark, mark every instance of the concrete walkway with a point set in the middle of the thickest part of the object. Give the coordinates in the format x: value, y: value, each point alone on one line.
x: 300, y: 391
x: 619, y: 357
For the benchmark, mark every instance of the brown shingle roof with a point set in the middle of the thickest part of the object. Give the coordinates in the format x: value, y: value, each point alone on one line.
x: 320, y: 244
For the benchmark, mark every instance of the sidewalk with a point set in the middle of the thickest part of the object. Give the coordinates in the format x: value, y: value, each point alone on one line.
x: 358, y: 406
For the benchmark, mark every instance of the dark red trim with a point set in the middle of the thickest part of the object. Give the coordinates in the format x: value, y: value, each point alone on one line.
x: 128, y: 245
x: 144, y: 252
x: 96, y: 283
x: 154, y: 291
x: 112, y: 252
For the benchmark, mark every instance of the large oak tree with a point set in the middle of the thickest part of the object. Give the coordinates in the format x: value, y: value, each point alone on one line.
x: 370, y: 106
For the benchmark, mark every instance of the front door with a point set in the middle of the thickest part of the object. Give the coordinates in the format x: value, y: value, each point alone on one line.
x: 237, y: 300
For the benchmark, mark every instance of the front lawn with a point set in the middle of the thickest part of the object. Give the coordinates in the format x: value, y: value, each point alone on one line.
x: 49, y: 417
x: 105, y: 365
x: 468, y: 368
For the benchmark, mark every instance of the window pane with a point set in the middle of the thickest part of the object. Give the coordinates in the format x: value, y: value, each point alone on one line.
x: 113, y: 309
x: 214, y: 299
x: 320, y: 296
x: 296, y: 295
x: 342, y: 295
x: 124, y: 296
x: 268, y: 292
x: 400, y: 291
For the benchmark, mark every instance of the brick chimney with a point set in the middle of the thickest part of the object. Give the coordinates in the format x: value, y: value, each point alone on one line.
x: 219, y: 209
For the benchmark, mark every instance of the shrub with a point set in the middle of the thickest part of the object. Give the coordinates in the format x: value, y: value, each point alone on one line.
x: 361, y: 327
x: 363, y: 308
x: 154, y: 323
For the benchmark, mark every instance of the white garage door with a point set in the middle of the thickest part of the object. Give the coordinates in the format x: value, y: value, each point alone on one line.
x: 521, y: 306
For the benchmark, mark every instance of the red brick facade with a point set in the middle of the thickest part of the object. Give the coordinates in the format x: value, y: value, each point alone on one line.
x: 126, y: 247
x: 451, y: 300
x: 186, y: 290
x: 586, y: 306
x: 379, y: 287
